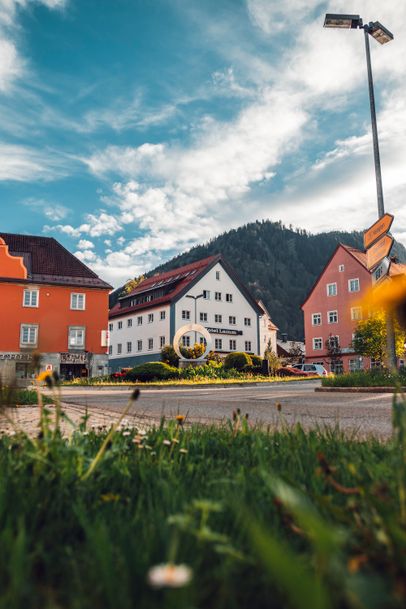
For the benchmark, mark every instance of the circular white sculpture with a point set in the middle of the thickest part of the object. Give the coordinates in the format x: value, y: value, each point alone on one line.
x: 191, y: 328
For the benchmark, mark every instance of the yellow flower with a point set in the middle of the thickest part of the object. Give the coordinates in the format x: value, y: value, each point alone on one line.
x: 388, y: 295
x: 169, y: 576
x: 180, y: 418
x: 43, y: 375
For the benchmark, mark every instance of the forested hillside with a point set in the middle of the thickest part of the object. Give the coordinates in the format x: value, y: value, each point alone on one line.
x: 278, y: 264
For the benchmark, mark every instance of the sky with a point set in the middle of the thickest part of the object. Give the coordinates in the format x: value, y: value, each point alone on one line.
x: 131, y: 130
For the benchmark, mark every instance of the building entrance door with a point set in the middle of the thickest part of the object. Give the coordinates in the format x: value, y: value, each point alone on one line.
x: 73, y: 371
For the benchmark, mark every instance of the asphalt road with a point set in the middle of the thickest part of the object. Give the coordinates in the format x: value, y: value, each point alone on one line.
x: 365, y: 414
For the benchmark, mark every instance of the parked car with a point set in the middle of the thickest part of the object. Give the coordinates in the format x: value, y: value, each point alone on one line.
x: 312, y: 368
x: 292, y: 371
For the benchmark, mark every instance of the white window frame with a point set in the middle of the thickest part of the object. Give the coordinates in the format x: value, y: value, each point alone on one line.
x: 74, y: 296
x: 218, y: 296
x: 332, y: 313
x: 162, y: 315
x: 218, y: 275
x: 247, y: 321
x: 119, y: 325
x: 129, y: 346
x: 341, y: 268
x: 129, y: 323
x: 313, y: 319
x: 139, y: 320
x: 31, y: 327
x: 29, y: 292
x: 349, y: 285
x: 336, y: 342
x: 248, y: 346
x: 150, y: 318
x: 110, y: 349
x: 356, y: 313
x: 186, y: 314
x: 203, y: 316
x: 229, y: 297
x: 218, y: 318
x: 150, y: 344
x: 74, y: 345
x: 206, y: 294
x: 162, y: 341
x: 185, y: 341
x: 317, y: 338
x: 110, y: 327
x: 218, y: 344
x: 233, y: 344
x: 139, y: 345
x: 119, y: 348
x: 232, y: 320
x: 328, y: 288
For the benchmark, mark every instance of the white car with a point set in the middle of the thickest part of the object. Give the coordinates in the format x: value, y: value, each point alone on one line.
x: 315, y: 368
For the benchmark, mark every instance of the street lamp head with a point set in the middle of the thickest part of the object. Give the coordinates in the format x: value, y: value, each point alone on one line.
x: 343, y: 21
x: 379, y: 32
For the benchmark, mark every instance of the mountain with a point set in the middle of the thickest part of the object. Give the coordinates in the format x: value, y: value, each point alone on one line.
x: 278, y: 264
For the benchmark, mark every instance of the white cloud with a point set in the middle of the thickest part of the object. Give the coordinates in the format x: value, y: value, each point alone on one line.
x: 95, y: 226
x: 52, y: 211
x: 24, y: 164
x: 84, y: 244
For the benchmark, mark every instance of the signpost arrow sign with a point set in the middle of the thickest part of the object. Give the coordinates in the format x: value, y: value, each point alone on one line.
x: 381, y: 270
x: 378, y: 229
x: 379, y: 250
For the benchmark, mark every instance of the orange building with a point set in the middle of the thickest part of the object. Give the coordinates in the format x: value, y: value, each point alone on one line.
x: 51, y: 303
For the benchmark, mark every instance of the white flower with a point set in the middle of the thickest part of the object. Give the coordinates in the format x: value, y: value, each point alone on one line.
x: 127, y: 433
x: 169, y: 575
x: 166, y: 442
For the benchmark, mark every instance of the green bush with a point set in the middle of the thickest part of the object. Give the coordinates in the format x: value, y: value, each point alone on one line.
x: 366, y: 378
x: 237, y: 360
x: 152, y: 371
x: 256, y: 361
x: 169, y: 356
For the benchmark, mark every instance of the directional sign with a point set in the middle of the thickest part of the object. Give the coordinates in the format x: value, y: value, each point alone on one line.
x: 377, y: 230
x: 378, y: 251
x: 381, y: 271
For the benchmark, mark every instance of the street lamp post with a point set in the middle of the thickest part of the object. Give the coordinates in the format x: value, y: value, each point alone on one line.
x: 382, y: 35
x: 195, y: 298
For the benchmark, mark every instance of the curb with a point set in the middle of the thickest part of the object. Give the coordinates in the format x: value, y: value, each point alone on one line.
x: 359, y: 389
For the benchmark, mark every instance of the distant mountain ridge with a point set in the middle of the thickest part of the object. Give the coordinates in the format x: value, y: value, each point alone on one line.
x: 278, y: 264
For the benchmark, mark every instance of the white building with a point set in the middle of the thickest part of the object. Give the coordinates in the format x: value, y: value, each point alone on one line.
x: 207, y: 292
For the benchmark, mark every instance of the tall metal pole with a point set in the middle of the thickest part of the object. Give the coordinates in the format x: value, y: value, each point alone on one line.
x: 390, y: 331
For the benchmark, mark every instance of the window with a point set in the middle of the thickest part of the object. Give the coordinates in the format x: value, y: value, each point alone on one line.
x: 186, y: 341
x: 333, y: 342
x: 185, y: 314
x: 150, y: 318
x: 218, y: 343
x: 218, y: 275
x: 317, y: 343
x: 233, y: 344
x: 231, y: 320
x: 206, y: 294
x: 218, y: 319
x: 30, y: 298
x: 332, y: 317
x: 119, y: 348
x: 76, y: 337
x: 356, y: 313
x: 316, y: 319
x: 77, y: 301
x: 120, y: 325
x: 248, y: 345
x: 129, y: 347
x: 217, y: 295
x: 139, y: 345
x: 203, y: 316
x: 331, y: 289
x: 162, y: 315
x: 129, y: 323
x: 150, y: 344
x: 375, y: 363
x: 337, y: 367
x: 203, y: 341
x: 355, y: 364
x: 162, y: 341
x: 111, y: 350
x: 353, y: 285
x: 110, y: 327
x: 247, y: 321
x: 28, y: 335
x: 139, y: 320
x: 341, y: 268
x: 229, y: 297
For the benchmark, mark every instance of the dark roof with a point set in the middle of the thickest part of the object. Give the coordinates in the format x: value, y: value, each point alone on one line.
x: 47, y: 261
x: 175, y: 284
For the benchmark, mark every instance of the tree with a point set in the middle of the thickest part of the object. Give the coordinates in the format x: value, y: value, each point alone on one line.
x: 274, y: 361
x: 370, y: 338
x: 334, y: 354
x: 131, y: 285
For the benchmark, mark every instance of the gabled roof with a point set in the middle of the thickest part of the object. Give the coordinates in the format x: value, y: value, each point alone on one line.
x: 181, y: 280
x: 47, y: 261
x: 361, y: 257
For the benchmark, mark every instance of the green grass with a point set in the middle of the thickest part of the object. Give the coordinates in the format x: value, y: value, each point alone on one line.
x: 369, y: 378
x: 197, y: 380
x: 266, y: 520
x: 20, y: 397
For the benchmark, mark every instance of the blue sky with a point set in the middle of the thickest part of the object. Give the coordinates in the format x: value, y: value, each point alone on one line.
x: 131, y: 130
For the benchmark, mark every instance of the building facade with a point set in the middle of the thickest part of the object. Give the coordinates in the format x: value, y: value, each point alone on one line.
x: 332, y: 311
x: 207, y: 292
x: 52, y: 304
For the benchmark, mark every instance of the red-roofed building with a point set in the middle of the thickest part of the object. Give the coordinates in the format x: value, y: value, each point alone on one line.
x: 51, y: 303
x: 145, y: 320
x: 332, y: 309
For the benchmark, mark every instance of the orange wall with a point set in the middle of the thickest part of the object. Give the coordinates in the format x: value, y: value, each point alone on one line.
x: 53, y: 315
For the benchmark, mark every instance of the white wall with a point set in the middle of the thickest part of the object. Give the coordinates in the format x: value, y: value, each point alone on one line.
x: 266, y: 334
x: 239, y: 308
x: 153, y: 330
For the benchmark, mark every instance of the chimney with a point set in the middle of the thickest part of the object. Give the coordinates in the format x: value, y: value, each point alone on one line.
x: 284, y: 337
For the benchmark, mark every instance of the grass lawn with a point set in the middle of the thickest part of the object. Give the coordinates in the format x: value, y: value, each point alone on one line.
x: 192, y: 381
x: 262, y: 520
x: 368, y: 378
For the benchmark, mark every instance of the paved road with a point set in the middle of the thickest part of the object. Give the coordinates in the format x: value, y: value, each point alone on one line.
x: 363, y: 413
